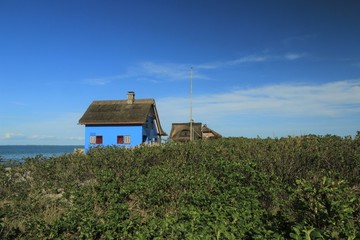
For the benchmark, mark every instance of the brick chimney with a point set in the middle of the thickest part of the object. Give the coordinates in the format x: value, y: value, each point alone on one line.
x: 131, y: 97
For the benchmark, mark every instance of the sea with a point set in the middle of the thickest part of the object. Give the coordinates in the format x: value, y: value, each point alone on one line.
x: 20, y: 152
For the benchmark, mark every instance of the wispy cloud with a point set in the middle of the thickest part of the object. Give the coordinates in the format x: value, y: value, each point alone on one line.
x: 19, y: 104
x: 42, y: 137
x: 293, y: 56
x: 100, y: 81
x: 232, y: 63
x: 251, y: 59
x: 246, y: 59
x: 59, y: 129
x: 151, y: 71
x: 329, y: 99
x: 169, y: 72
x: 334, y: 100
x: 12, y: 135
x: 20, y: 136
x: 77, y: 139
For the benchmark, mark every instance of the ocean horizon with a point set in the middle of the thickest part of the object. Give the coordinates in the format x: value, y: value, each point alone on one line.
x: 20, y: 152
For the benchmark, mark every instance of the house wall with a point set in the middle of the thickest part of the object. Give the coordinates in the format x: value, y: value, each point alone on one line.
x: 150, y: 131
x: 109, y: 135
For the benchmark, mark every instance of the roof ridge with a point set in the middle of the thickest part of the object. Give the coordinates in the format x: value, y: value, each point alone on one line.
x: 141, y: 101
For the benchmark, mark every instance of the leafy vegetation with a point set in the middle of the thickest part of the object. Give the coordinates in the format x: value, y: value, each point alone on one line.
x: 232, y: 188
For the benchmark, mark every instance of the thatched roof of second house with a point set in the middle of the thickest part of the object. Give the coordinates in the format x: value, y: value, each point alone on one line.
x: 180, y: 132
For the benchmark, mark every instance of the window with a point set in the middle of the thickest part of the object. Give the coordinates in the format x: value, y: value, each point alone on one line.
x: 96, y: 139
x: 123, y: 139
x: 185, y: 133
x: 120, y: 139
x: 99, y: 139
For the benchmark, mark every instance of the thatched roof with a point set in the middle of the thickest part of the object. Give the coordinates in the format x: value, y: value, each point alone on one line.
x: 121, y: 112
x: 181, y: 132
x: 209, y: 133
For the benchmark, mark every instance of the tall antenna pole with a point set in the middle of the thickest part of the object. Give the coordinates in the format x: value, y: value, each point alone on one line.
x: 191, y: 120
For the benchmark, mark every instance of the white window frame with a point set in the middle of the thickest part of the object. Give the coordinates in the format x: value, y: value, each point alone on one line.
x: 127, y: 139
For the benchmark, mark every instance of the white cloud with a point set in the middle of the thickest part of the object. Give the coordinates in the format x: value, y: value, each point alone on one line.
x: 232, y: 63
x: 15, y: 137
x: 42, y: 137
x: 77, y: 139
x: 151, y: 71
x: 169, y: 72
x: 334, y: 100
x: 57, y: 129
x: 19, y: 104
x: 165, y: 71
x: 100, y: 81
x: 12, y: 135
x: 97, y: 81
x: 293, y: 56
x: 250, y: 59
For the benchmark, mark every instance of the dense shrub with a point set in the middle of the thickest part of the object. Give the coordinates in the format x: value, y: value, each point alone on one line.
x: 230, y: 188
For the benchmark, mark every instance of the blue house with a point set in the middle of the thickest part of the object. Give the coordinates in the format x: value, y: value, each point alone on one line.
x: 128, y: 123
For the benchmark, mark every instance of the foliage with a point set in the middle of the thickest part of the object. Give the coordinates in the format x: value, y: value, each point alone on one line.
x: 329, y: 208
x: 231, y: 188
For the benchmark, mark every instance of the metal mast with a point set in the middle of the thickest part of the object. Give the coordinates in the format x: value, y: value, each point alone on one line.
x: 191, y: 120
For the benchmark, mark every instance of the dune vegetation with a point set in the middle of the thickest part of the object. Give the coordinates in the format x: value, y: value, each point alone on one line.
x: 304, y: 187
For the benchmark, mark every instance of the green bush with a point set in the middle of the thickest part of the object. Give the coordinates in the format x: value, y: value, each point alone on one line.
x: 329, y: 208
x: 231, y: 188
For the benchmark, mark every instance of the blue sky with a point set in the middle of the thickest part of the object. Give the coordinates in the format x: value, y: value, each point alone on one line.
x: 260, y: 68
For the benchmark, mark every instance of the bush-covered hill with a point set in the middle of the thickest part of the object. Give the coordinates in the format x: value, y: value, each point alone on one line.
x: 233, y: 188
